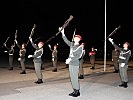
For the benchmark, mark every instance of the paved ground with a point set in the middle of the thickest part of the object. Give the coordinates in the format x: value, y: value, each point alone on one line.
x: 97, y: 84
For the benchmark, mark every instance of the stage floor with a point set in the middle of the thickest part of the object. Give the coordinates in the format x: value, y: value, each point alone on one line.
x: 96, y: 85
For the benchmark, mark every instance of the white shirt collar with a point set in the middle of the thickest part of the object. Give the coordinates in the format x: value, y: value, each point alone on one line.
x: 125, y: 48
x: 76, y: 43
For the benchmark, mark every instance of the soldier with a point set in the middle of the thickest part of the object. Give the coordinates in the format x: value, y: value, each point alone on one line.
x: 37, y: 60
x: 10, y: 52
x: 115, y: 57
x: 54, y: 57
x: 81, y: 71
x: 92, y: 54
x: 73, y: 61
x: 21, y: 58
x: 124, y: 56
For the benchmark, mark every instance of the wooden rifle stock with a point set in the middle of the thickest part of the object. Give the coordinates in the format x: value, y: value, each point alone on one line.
x: 63, y: 26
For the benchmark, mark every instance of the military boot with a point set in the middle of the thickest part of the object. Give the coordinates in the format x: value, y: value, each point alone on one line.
x: 39, y: 81
x: 75, y: 93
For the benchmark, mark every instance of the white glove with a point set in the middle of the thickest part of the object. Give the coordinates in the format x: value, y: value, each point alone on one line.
x: 30, y: 39
x: 5, y: 51
x: 68, y: 60
x: 49, y: 46
x: 95, y: 49
x: 15, y: 41
x: 19, y: 59
x: 62, y: 31
x: 52, y: 59
x: 111, y: 40
x: 122, y: 64
x: 29, y: 56
x: 4, y: 44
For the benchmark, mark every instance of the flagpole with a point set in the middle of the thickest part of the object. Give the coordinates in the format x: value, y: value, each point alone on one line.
x: 105, y: 41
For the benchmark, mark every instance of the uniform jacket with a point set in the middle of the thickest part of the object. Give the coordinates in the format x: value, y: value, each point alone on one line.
x: 37, y: 54
x: 115, y: 55
x: 75, y: 52
x: 22, y: 52
x: 54, y: 54
x: 82, y: 57
x: 124, y: 54
x: 10, y: 51
x: 92, y: 54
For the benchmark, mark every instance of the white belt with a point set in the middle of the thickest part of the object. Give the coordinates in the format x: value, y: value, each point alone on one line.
x: 10, y: 54
x: 122, y: 57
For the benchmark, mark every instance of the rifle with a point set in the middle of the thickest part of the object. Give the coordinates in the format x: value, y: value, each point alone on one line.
x: 74, y: 34
x: 113, y: 31
x: 15, y: 36
x: 32, y: 32
x: 6, y: 40
x: 63, y: 26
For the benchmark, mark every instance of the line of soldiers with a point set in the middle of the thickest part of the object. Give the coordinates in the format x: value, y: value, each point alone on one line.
x: 75, y: 60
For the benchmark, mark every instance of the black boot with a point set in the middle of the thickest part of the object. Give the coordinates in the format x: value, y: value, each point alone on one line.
x: 116, y: 71
x: 54, y: 70
x: 39, y: 81
x: 23, y: 72
x: 75, y: 93
x: 81, y: 77
x: 125, y: 85
x: 122, y: 84
x: 92, y: 68
x: 11, y: 68
x: 71, y: 94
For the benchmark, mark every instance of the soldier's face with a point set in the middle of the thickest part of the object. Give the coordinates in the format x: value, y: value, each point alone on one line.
x: 23, y: 46
x: 125, y: 45
x: 55, y: 47
x: 76, y: 39
x: 92, y: 49
x: 12, y: 47
x: 40, y: 45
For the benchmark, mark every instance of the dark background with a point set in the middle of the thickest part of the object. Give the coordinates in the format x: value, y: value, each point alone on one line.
x: 89, y: 21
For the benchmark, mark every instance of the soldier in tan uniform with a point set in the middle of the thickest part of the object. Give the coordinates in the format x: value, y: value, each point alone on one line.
x: 81, y: 61
x: 115, y: 57
x: 54, y: 57
x: 92, y: 54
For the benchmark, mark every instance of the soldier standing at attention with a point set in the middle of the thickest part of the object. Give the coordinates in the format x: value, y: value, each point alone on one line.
x: 115, y: 57
x: 54, y: 57
x: 10, y: 52
x: 92, y: 54
x: 124, y: 56
x: 81, y: 61
x: 21, y: 58
x: 37, y: 59
x: 73, y: 60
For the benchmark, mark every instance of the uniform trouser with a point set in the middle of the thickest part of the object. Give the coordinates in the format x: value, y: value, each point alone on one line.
x: 38, y: 70
x: 22, y: 62
x: 81, y: 71
x: 123, y: 73
x: 92, y: 61
x: 74, y: 70
x: 116, y: 64
x: 55, y: 64
x: 11, y: 60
